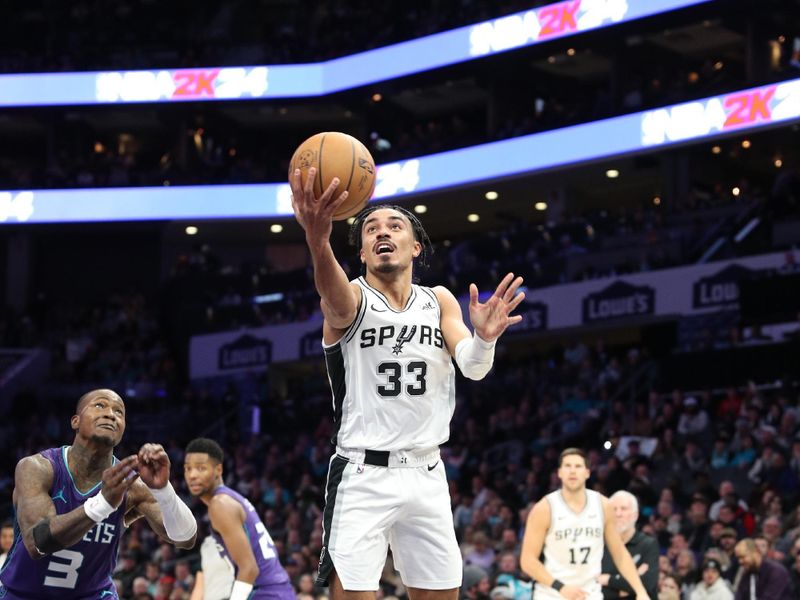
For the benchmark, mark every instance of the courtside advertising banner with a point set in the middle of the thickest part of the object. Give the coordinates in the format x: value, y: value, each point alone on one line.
x: 689, y: 290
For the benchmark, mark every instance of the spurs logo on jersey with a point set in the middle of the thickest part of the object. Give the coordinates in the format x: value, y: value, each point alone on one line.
x: 391, y: 375
x: 573, y: 546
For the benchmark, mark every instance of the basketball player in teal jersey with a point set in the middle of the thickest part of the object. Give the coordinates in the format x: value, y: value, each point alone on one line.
x: 570, y: 526
x: 72, y: 504
x: 389, y: 349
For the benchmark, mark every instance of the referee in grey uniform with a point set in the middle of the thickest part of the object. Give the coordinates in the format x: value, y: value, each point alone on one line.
x: 642, y: 547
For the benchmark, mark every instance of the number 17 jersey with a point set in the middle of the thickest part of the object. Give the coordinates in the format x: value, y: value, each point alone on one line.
x: 392, y: 377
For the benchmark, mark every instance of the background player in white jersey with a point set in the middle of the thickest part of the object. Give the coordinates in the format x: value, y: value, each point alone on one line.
x: 214, y: 579
x: 570, y: 525
x: 388, y: 347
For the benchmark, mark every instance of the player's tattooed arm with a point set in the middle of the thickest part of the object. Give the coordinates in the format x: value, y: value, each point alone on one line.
x: 43, y: 530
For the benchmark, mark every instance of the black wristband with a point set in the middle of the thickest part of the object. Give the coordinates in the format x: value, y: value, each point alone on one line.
x: 556, y: 585
x: 44, y: 540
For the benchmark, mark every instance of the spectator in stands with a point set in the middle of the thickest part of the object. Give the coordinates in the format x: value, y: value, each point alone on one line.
x: 476, y: 584
x: 763, y: 578
x: 140, y: 588
x: 727, y: 543
x: 509, y: 575
x: 183, y: 576
x: 643, y: 548
x: 712, y: 586
x: 6, y: 540
x: 696, y: 526
x: 669, y: 588
x: 152, y: 573
x: 693, y: 423
x: 127, y: 570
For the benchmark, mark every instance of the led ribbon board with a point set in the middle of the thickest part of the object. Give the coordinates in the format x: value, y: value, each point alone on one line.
x: 743, y: 110
x: 289, y: 81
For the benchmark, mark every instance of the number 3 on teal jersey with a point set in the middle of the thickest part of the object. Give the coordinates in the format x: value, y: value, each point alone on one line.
x: 67, y: 573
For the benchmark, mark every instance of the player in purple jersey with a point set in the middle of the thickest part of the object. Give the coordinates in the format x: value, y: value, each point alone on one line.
x: 236, y: 526
x: 71, y: 505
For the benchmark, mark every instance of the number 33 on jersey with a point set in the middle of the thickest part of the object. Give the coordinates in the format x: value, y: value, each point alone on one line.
x: 391, y: 375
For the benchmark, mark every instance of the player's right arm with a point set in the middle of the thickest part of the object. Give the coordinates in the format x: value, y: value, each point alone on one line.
x: 532, y: 543
x: 43, y: 530
x: 340, y: 298
x: 227, y: 518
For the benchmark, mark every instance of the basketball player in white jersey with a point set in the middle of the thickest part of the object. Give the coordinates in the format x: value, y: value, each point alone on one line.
x: 571, y: 526
x: 389, y: 346
x: 215, y: 578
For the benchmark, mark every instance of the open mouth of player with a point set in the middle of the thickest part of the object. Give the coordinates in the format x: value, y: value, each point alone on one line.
x: 383, y: 248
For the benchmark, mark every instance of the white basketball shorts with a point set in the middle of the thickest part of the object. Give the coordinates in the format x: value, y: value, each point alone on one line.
x: 405, y: 506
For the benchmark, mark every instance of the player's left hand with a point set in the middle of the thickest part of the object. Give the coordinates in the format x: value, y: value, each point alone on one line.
x: 491, y: 318
x: 603, y: 578
x: 154, y: 465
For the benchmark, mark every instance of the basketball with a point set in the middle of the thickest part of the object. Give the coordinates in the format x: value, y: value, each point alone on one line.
x: 336, y: 154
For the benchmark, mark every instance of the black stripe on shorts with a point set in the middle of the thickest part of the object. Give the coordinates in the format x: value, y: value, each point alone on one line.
x: 334, y: 479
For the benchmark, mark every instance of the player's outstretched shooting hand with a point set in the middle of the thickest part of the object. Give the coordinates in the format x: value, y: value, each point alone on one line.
x: 154, y: 466
x: 315, y: 215
x: 491, y: 318
x: 118, y: 478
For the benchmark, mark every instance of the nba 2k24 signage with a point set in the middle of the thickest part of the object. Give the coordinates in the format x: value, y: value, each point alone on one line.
x: 620, y: 299
x: 720, y: 289
x: 245, y: 352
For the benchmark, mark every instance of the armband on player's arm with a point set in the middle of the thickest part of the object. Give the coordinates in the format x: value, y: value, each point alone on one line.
x: 241, y: 590
x: 474, y: 357
x: 179, y: 522
x: 43, y: 538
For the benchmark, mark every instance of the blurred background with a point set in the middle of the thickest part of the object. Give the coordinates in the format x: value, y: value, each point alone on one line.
x: 637, y: 162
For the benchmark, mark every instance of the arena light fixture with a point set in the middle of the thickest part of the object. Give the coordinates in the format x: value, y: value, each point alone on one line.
x: 736, y: 191
x: 540, y: 205
x: 473, y: 217
x: 746, y: 144
x: 612, y: 173
x: 491, y: 195
x: 715, y: 149
x: 420, y: 209
x: 276, y: 228
x: 191, y: 230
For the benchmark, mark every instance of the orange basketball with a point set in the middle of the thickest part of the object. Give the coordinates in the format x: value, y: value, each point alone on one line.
x: 336, y: 154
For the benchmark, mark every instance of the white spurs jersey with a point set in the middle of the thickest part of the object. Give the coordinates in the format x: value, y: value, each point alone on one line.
x: 392, y: 378
x: 218, y: 572
x: 573, y: 546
